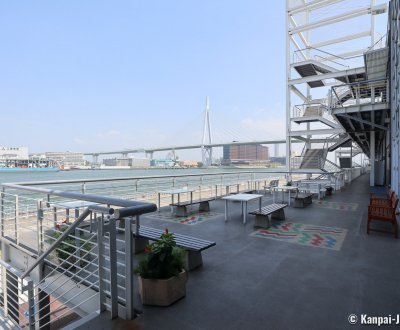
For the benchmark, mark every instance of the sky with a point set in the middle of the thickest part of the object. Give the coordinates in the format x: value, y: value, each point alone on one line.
x: 103, y: 75
x: 93, y: 75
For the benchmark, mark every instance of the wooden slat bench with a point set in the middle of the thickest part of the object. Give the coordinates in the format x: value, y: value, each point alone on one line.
x: 302, y: 199
x: 275, y: 210
x: 193, y: 245
x: 387, y: 201
x: 385, y: 214
x: 181, y: 211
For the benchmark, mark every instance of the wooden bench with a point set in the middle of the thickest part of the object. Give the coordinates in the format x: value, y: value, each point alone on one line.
x: 193, y: 245
x: 385, y: 214
x: 383, y: 200
x: 181, y: 211
x: 275, y: 210
x: 302, y: 199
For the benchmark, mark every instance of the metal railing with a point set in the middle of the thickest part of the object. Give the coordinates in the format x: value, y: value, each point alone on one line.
x: 71, y: 266
x: 311, y: 53
x: 364, y: 92
x: 312, y: 108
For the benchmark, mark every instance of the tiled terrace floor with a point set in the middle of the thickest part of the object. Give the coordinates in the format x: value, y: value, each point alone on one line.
x: 253, y: 283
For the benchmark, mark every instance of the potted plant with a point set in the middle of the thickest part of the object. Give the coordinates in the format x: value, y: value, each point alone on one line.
x: 329, y: 190
x: 162, y: 277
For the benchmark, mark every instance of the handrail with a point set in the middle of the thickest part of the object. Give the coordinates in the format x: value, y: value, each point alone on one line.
x: 22, y: 185
x: 140, y: 207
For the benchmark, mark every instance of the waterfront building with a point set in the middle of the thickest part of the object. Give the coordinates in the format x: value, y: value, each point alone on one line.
x: 13, y: 153
x: 67, y: 159
x: 244, y: 153
x: 128, y: 162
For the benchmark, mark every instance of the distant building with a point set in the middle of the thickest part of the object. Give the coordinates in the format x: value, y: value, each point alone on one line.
x: 279, y: 160
x: 14, y: 153
x: 67, y: 159
x: 245, y: 154
x: 189, y: 163
x: 130, y: 162
x: 163, y: 162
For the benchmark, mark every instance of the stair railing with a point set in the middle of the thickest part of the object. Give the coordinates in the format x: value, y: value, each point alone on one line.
x: 79, y: 273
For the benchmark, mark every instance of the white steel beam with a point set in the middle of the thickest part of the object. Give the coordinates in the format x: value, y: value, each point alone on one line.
x: 303, y: 39
x: 317, y: 132
x: 342, y: 39
x: 295, y: 90
x: 300, y: 49
x: 334, y: 19
x: 312, y: 5
x: 324, y: 76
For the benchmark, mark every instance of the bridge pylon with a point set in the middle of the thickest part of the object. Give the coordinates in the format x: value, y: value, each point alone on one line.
x: 206, y: 150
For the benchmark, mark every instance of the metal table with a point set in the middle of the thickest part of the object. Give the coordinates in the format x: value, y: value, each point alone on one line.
x: 173, y: 192
x: 284, y: 189
x: 244, y: 199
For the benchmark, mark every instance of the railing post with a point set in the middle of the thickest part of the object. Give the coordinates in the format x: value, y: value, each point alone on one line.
x: 101, y: 263
x: 31, y: 305
x: 129, y: 250
x: 2, y: 217
x: 40, y: 226
x: 372, y: 94
x: 83, y: 187
x: 113, y: 269
x: 16, y: 222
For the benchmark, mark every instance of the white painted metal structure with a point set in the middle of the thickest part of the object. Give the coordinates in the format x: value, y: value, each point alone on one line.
x: 206, y: 151
x: 325, y: 44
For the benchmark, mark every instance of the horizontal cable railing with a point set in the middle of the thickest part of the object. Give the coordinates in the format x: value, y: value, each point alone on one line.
x: 364, y: 92
x: 73, y: 252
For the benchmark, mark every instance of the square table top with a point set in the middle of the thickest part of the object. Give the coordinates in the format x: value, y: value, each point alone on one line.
x: 242, y: 197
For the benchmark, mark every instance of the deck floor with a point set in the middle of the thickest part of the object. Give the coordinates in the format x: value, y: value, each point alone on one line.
x: 248, y: 282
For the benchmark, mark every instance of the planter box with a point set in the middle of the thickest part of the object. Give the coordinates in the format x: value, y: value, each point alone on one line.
x: 162, y: 292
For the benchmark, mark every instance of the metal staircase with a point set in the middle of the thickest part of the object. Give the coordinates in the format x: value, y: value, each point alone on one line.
x: 57, y: 270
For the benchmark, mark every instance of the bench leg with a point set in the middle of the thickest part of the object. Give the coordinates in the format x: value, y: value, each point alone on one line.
x: 299, y: 202
x: 194, y: 259
x: 204, y: 206
x: 278, y: 215
x: 139, y: 244
x: 308, y: 200
x: 180, y: 211
x: 262, y: 221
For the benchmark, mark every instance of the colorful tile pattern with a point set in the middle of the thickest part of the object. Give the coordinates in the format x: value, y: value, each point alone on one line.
x: 309, y: 235
x: 337, y: 205
x: 190, y: 219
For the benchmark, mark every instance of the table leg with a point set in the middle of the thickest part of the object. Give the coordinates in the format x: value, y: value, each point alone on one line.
x: 172, y: 202
x: 226, y: 210
x: 289, y: 198
x: 241, y: 204
x: 259, y: 204
x: 273, y: 196
x: 244, y: 214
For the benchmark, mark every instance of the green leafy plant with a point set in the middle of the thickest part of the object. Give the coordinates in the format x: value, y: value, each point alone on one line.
x: 67, y: 248
x: 162, y: 259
